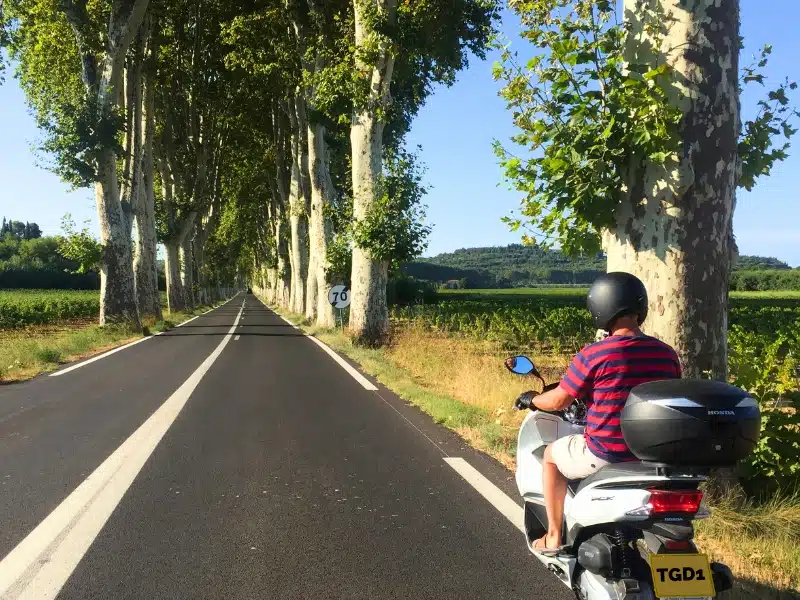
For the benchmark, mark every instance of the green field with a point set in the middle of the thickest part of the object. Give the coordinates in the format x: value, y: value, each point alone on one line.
x: 26, y: 308
x: 23, y: 308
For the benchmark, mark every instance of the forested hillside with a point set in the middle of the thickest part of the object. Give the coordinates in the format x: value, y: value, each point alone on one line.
x: 516, y: 265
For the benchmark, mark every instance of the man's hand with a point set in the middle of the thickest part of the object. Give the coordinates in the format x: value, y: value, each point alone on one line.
x: 525, y: 400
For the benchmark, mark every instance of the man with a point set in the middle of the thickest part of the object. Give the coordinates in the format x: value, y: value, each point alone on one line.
x: 602, y: 374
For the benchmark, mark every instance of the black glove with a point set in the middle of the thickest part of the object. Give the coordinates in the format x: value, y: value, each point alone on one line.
x: 525, y: 400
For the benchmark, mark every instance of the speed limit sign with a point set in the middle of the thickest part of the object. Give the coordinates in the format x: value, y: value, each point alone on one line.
x: 339, y: 296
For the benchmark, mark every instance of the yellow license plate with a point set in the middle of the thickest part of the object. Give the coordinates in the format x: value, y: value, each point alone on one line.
x: 681, y: 575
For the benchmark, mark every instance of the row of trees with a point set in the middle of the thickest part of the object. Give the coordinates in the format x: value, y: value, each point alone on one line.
x: 253, y: 138
x: 20, y: 230
x: 266, y: 138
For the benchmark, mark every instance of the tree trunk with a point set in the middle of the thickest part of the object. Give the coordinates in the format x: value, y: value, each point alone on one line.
x: 145, y: 259
x: 281, y: 193
x: 369, y: 314
x: 322, y: 195
x: 172, y: 271
x: 298, y: 223
x: 675, y: 233
x: 187, y: 270
x: 203, y: 279
x: 283, y: 279
x: 117, y: 294
x: 311, y: 277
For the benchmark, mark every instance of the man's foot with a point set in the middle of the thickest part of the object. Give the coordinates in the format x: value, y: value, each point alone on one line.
x: 547, y: 545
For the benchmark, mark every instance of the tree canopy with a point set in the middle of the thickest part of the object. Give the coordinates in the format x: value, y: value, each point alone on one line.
x: 225, y: 131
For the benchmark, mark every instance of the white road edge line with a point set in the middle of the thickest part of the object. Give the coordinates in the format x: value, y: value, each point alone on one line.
x: 365, y: 383
x: 187, y: 321
x: 133, y: 343
x: 98, y: 357
x: 285, y: 320
x: 40, y: 565
x: 496, y: 497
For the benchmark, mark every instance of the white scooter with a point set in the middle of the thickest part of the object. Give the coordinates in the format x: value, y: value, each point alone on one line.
x: 628, y: 528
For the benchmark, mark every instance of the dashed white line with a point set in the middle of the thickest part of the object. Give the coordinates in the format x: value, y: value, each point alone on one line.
x: 496, y: 497
x: 41, y: 564
x: 236, y: 338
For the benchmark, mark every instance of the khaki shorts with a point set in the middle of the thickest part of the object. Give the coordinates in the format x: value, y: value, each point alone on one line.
x: 573, y: 458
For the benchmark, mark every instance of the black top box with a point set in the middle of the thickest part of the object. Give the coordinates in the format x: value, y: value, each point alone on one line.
x: 691, y: 422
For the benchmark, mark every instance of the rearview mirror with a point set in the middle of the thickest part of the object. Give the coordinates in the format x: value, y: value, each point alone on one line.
x: 521, y: 365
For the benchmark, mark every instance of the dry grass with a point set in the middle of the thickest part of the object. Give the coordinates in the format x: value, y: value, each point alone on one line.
x: 474, y: 374
x: 761, y: 544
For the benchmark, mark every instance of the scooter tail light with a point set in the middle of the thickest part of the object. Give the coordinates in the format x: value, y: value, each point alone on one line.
x: 675, y: 501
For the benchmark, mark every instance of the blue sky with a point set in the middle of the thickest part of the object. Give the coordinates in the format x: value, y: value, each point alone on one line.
x: 456, y: 129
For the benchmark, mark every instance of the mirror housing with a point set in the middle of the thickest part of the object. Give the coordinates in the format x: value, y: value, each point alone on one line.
x: 520, y: 365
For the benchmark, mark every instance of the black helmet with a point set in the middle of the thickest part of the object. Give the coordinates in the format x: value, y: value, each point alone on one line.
x: 616, y: 294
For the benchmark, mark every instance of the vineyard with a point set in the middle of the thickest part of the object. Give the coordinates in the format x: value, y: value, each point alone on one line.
x: 22, y: 308
x: 557, y: 320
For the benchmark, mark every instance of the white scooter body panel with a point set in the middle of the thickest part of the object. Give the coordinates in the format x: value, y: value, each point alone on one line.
x: 593, y: 506
x: 538, y: 430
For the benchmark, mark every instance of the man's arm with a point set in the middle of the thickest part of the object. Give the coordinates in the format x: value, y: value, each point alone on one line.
x: 555, y: 399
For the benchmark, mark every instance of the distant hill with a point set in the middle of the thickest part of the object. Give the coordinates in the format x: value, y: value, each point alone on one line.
x: 507, y: 266
x: 760, y: 263
x: 524, y: 266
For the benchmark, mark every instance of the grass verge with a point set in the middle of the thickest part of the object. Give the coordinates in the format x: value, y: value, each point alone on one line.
x: 25, y: 353
x: 463, y: 385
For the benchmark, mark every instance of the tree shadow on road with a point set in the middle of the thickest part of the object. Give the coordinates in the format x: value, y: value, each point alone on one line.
x: 182, y: 332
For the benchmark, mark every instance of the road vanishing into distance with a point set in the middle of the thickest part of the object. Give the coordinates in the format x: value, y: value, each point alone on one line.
x: 235, y: 457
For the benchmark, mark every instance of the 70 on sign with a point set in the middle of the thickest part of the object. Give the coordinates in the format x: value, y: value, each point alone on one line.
x: 339, y: 296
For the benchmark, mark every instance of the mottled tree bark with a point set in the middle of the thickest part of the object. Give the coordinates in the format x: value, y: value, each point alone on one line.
x: 322, y: 196
x: 117, y: 291
x: 145, y: 256
x: 298, y: 223
x: 369, y: 314
x: 172, y: 271
x: 283, y: 278
x: 187, y: 268
x: 675, y: 233
x: 280, y: 204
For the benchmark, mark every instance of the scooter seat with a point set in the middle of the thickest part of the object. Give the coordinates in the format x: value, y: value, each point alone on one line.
x: 628, y: 469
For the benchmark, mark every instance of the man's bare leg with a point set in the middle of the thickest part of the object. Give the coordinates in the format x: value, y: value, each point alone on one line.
x: 555, y: 491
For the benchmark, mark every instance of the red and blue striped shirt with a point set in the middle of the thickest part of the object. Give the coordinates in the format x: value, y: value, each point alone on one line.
x: 603, y: 373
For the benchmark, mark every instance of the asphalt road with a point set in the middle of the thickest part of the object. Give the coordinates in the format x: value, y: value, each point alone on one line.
x: 235, y: 458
